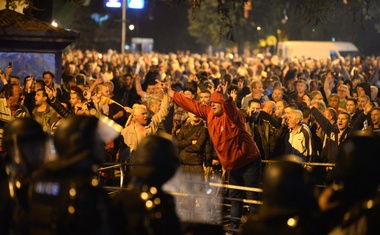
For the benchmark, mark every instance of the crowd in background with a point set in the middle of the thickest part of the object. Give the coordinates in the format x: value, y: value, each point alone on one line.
x: 348, y: 86
x: 304, y: 107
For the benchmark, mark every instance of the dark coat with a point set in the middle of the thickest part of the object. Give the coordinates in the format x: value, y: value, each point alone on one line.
x: 192, y: 154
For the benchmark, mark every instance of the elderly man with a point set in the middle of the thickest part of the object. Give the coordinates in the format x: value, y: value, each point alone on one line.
x: 300, y: 140
x: 141, y: 126
x: 256, y: 93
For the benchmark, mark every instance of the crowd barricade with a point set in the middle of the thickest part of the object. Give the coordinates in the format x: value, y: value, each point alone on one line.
x: 211, y: 206
x: 325, y: 164
x: 116, y: 169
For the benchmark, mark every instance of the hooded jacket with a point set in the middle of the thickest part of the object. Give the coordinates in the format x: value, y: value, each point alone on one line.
x: 366, y: 87
x: 232, y: 142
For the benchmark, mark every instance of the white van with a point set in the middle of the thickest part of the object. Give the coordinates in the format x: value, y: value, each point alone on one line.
x: 316, y: 49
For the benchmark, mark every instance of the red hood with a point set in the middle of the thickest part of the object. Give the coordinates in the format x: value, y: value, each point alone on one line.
x: 217, y: 98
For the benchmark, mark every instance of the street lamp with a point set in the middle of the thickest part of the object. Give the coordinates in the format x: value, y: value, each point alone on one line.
x: 54, y: 23
x: 133, y: 4
x: 123, y: 24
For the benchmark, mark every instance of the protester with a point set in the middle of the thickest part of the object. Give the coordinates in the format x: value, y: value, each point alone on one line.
x: 236, y: 150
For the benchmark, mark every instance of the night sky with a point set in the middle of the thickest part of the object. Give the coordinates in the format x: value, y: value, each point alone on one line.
x: 167, y: 25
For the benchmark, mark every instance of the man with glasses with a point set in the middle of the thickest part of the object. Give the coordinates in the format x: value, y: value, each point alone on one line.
x: 343, y: 93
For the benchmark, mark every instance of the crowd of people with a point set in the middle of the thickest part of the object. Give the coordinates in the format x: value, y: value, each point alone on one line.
x: 226, y: 113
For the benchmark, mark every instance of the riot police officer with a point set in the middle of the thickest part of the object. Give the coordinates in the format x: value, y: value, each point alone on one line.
x: 144, y: 208
x: 352, y: 204
x: 24, y: 143
x: 289, y: 204
x: 65, y: 196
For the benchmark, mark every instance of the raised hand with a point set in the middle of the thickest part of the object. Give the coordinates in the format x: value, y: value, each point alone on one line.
x: 233, y: 94
x: 49, y: 92
x: 306, y: 100
x: 368, y: 107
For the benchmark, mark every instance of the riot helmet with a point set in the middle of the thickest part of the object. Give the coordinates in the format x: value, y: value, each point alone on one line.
x: 287, y: 189
x: 357, y: 163
x: 156, y: 160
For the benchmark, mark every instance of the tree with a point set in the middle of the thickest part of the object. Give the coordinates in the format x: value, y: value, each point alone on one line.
x: 292, y: 19
x: 203, y: 25
x: 209, y: 29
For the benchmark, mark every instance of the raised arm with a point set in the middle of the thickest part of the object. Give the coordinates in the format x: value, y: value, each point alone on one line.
x: 343, y: 70
x: 56, y: 105
x: 373, y: 80
x: 138, y: 86
x: 229, y: 105
x: 163, y: 112
x: 189, y: 104
x: 328, y: 86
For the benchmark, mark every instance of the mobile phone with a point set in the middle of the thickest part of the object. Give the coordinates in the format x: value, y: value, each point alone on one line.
x: 138, y: 65
x: 10, y: 64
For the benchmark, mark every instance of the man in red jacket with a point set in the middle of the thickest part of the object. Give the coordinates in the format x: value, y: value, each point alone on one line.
x: 236, y: 150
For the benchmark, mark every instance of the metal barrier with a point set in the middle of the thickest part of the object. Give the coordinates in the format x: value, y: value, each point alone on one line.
x: 191, y: 210
x: 326, y: 164
x: 120, y: 166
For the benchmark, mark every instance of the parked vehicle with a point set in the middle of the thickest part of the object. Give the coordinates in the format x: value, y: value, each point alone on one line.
x: 316, y: 49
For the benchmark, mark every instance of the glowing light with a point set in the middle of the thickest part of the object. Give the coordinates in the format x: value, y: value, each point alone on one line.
x: 157, y: 201
x: 153, y: 190
x: 131, y: 27
x: 113, y: 3
x: 71, y: 210
x: 149, y: 204
x: 54, y: 23
x: 72, y: 192
x: 144, y: 195
x: 370, y: 204
x: 292, y: 222
x: 94, y: 182
x: 258, y: 28
x: 136, y: 4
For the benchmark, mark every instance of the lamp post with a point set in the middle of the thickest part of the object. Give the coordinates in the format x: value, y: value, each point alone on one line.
x: 123, y: 25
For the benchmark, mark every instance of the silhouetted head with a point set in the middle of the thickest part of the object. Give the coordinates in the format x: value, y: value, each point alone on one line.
x: 82, y: 137
x: 288, y: 189
x: 358, y: 163
x: 25, y: 143
x: 156, y: 160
